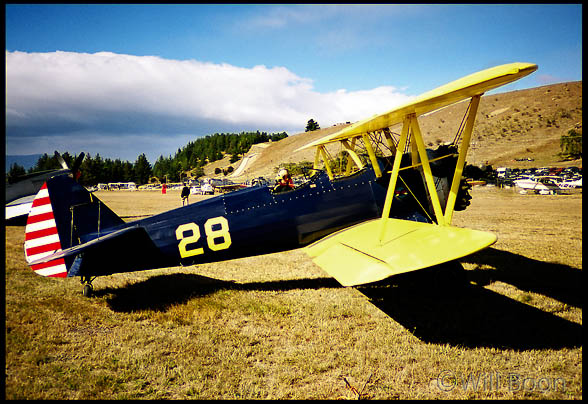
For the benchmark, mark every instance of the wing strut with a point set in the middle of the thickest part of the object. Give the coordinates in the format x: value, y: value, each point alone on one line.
x: 465, y: 144
x: 411, y: 125
x: 394, y: 177
x: 349, y: 149
x: 430, y: 182
x: 371, y: 155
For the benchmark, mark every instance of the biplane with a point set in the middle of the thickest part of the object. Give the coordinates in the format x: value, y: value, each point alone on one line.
x: 385, y: 208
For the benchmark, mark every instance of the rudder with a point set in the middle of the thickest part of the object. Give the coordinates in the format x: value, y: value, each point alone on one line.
x: 63, y: 214
x: 42, y: 238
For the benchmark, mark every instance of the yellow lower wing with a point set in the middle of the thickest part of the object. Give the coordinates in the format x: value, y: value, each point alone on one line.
x: 355, y: 256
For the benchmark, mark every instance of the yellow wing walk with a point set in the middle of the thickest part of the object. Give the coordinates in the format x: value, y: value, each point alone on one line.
x: 380, y: 248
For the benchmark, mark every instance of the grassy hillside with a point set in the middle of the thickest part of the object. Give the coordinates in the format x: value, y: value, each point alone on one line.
x: 509, y: 126
x: 515, y: 125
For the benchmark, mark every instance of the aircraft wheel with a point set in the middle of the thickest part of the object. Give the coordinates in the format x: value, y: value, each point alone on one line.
x: 88, y: 289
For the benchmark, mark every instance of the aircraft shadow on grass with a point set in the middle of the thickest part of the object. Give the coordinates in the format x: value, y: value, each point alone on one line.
x: 160, y: 292
x: 450, y: 305
x: 558, y: 281
x: 437, y: 305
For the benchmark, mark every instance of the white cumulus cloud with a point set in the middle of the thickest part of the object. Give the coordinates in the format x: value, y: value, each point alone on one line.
x: 117, y: 95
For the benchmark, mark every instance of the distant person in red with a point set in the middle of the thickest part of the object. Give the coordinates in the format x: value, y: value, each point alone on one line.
x: 283, y: 181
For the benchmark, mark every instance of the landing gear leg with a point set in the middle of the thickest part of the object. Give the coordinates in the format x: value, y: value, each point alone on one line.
x: 88, y: 289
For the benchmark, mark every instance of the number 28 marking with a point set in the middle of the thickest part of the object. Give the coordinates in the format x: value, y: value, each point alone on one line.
x: 215, y: 228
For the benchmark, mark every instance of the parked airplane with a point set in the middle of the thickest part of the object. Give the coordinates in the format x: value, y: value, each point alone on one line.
x: 570, y: 183
x: 344, y: 218
x: 21, y: 191
x: 544, y: 185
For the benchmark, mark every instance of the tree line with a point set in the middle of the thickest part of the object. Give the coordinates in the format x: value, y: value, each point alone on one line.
x: 190, y: 158
x: 94, y: 169
x: 202, y: 151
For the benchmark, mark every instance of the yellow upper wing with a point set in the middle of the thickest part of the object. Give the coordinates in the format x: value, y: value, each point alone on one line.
x: 458, y: 90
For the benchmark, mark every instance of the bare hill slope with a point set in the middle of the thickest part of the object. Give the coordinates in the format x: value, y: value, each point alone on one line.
x: 268, y: 156
x: 509, y: 126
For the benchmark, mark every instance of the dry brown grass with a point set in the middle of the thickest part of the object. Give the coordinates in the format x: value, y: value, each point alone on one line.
x: 276, y: 327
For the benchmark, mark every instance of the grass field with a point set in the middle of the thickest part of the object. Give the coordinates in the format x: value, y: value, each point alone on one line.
x: 507, y: 325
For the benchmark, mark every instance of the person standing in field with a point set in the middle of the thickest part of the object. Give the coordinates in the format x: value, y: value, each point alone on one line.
x: 185, y: 195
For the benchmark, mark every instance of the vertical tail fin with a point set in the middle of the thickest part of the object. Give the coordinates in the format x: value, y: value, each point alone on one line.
x: 42, y: 238
x: 63, y: 214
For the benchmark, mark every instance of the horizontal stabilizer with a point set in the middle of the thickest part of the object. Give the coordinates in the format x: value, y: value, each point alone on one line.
x: 19, y: 207
x: 124, y: 250
x: 356, y: 255
x: 73, y: 251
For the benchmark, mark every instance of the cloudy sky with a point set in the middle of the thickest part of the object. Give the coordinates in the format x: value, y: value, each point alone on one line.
x: 121, y: 80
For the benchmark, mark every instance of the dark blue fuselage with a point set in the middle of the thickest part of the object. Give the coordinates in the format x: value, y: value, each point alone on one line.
x: 256, y: 221
x: 95, y: 241
x: 252, y: 221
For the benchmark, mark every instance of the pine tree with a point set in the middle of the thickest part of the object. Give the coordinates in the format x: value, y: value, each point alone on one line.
x: 16, y: 171
x: 571, y: 145
x: 312, y: 125
x: 142, y: 169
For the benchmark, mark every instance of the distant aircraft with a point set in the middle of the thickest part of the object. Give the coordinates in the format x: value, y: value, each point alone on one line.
x: 21, y: 191
x: 571, y: 183
x: 225, y: 185
x: 546, y: 185
x: 345, y: 219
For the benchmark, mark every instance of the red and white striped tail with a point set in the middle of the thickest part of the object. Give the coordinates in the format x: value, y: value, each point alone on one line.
x: 41, y: 237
